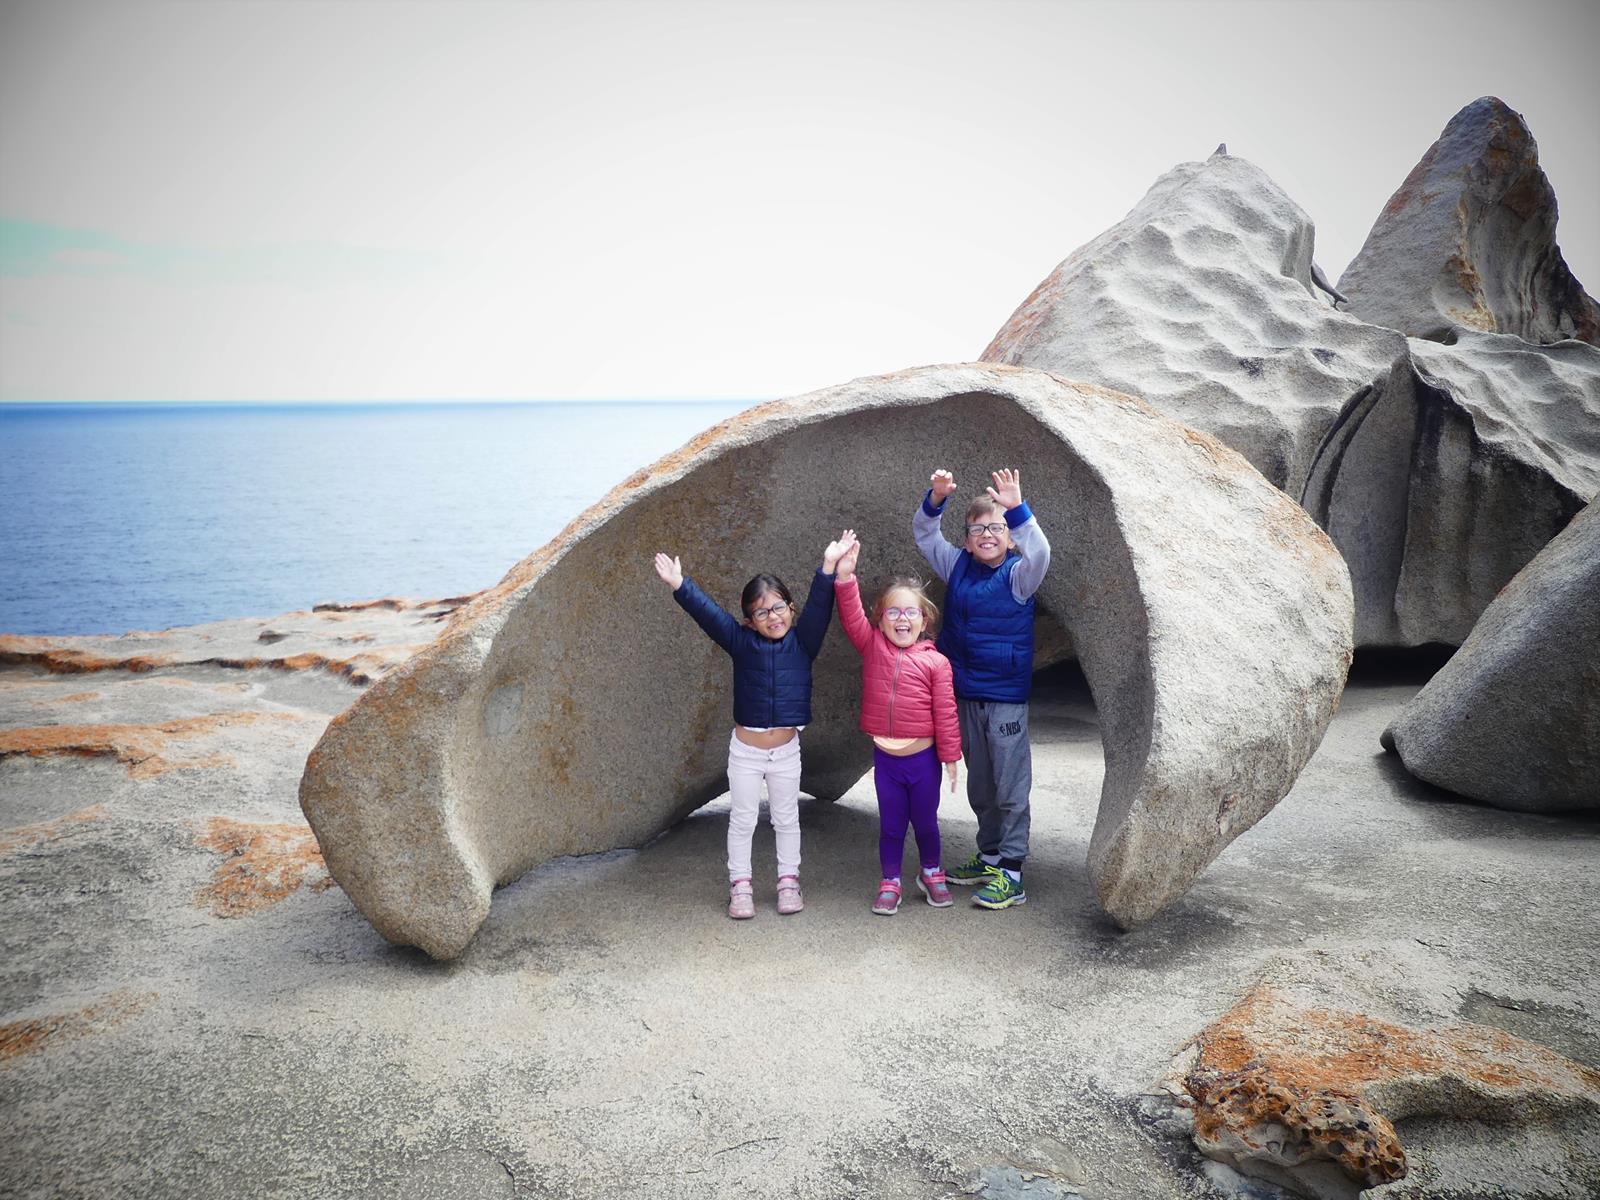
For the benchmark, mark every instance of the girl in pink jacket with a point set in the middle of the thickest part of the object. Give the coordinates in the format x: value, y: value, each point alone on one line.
x: 908, y: 706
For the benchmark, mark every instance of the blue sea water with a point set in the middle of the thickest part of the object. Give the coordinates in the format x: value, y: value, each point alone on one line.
x: 119, y: 517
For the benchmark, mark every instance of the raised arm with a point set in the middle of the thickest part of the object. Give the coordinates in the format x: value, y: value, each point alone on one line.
x: 812, y: 627
x: 851, y: 615
x: 941, y: 555
x: 707, y: 613
x: 1032, y: 546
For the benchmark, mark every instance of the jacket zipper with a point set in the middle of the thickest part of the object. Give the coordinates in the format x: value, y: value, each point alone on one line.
x: 894, y: 688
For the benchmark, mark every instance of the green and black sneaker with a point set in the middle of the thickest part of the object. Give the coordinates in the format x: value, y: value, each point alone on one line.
x: 974, y: 870
x: 1001, y: 891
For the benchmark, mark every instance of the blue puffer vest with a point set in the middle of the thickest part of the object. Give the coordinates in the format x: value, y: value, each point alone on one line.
x: 771, y: 679
x: 987, y: 635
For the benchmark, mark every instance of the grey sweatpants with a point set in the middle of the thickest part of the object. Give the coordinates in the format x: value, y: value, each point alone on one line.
x: 994, y: 741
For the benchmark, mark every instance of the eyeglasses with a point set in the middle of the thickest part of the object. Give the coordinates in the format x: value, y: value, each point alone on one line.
x: 995, y: 527
x: 777, y: 610
x: 910, y: 614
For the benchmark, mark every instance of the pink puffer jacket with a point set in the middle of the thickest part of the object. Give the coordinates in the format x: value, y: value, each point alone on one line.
x: 904, y: 693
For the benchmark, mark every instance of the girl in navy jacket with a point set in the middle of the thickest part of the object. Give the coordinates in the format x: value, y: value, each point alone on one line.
x: 772, y: 653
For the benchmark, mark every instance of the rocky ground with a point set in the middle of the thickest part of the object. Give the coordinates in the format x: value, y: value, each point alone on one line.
x: 189, y: 1007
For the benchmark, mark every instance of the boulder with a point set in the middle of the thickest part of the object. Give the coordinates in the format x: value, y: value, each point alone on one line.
x: 1469, y: 242
x: 1202, y: 301
x: 1513, y: 719
x: 573, y: 708
x: 1435, y: 475
x: 1443, y: 479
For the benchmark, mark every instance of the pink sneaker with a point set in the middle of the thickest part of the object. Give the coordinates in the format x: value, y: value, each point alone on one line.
x: 935, y: 888
x: 741, y: 900
x: 789, y: 898
x: 888, y: 901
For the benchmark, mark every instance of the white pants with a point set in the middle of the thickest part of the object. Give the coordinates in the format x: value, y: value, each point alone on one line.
x: 747, y: 767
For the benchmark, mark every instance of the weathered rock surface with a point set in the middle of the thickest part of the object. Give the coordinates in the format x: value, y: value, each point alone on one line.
x: 572, y: 708
x: 1440, y: 481
x: 1513, y: 719
x: 1469, y: 241
x: 1202, y: 302
x: 1438, y: 470
x: 1305, y: 1080
x: 170, y: 939
x: 358, y: 642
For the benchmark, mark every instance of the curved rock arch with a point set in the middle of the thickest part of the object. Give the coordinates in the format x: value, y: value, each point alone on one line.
x: 573, y: 708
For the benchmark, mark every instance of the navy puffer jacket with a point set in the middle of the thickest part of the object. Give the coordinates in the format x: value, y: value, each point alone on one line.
x: 771, y: 679
x: 987, y: 635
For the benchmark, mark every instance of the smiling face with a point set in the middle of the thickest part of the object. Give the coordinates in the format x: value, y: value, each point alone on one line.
x: 770, y: 616
x: 988, y: 546
x: 898, y: 625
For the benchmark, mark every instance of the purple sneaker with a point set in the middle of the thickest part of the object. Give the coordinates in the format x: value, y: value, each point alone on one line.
x: 888, y: 899
x: 741, y: 900
x: 936, y: 888
x: 789, y: 898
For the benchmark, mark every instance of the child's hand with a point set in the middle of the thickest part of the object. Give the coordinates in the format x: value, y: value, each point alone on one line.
x: 950, y: 774
x: 836, y: 551
x: 1007, y: 489
x: 847, y: 561
x: 670, y: 570
x: 943, y: 483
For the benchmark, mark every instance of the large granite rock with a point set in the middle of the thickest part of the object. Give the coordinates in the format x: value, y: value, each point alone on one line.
x: 573, y: 708
x: 1513, y: 719
x: 1438, y: 470
x: 1443, y: 479
x: 1201, y: 301
x: 1469, y: 241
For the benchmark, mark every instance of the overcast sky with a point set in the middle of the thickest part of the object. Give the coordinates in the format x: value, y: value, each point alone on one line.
x: 377, y: 200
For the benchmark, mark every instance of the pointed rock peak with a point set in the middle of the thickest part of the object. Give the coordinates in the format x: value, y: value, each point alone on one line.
x: 1222, y: 149
x: 1468, y: 241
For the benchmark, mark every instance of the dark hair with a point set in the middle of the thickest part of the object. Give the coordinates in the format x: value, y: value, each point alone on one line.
x: 907, y: 583
x: 758, y: 585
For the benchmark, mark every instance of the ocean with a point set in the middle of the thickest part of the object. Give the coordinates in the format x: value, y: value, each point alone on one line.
x: 121, y: 517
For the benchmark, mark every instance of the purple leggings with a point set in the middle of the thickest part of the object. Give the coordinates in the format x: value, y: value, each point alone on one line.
x: 908, y: 794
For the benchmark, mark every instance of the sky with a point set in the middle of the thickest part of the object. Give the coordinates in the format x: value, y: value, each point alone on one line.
x: 371, y: 200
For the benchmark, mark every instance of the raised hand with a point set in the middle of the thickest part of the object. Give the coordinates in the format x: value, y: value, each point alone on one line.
x: 942, y: 483
x: 1007, y: 489
x: 836, y: 550
x: 846, y: 568
x: 670, y: 570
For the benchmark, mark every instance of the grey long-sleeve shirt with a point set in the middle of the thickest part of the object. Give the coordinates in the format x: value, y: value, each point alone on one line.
x: 1032, y: 546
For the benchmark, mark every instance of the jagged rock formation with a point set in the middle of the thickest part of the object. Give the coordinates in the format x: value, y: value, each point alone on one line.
x: 1513, y: 719
x: 1439, y: 471
x: 1202, y: 301
x: 1469, y: 241
x: 1211, y: 617
x: 1304, y: 1080
x: 1441, y: 480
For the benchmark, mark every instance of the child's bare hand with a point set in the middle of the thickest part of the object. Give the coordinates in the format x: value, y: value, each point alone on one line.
x: 670, y: 570
x: 836, y: 550
x: 846, y: 568
x: 1007, y: 489
x: 943, y: 483
x: 950, y: 774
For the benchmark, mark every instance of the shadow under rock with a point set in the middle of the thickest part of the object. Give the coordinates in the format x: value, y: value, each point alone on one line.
x: 1465, y: 816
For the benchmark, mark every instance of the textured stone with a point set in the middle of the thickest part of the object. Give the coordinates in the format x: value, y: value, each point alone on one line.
x: 1312, y: 1071
x: 1442, y: 480
x: 1513, y: 719
x: 1438, y: 470
x: 572, y: 709
x: 1202, y: 301
x: 1468, y: 241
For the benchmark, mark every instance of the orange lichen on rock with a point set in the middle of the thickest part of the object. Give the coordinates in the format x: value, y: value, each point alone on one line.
x: 262, y: 865
x: 146, y: 750
x: 59, y: 660
x: 1290, y: 1083
x: 18, y: 1038
x: 45, y: 831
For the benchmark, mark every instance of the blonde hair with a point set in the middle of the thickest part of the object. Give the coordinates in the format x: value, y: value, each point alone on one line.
x: 905, y: 583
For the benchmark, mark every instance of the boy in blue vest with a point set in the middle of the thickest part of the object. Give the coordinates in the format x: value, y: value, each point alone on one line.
x: 988, y: 638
